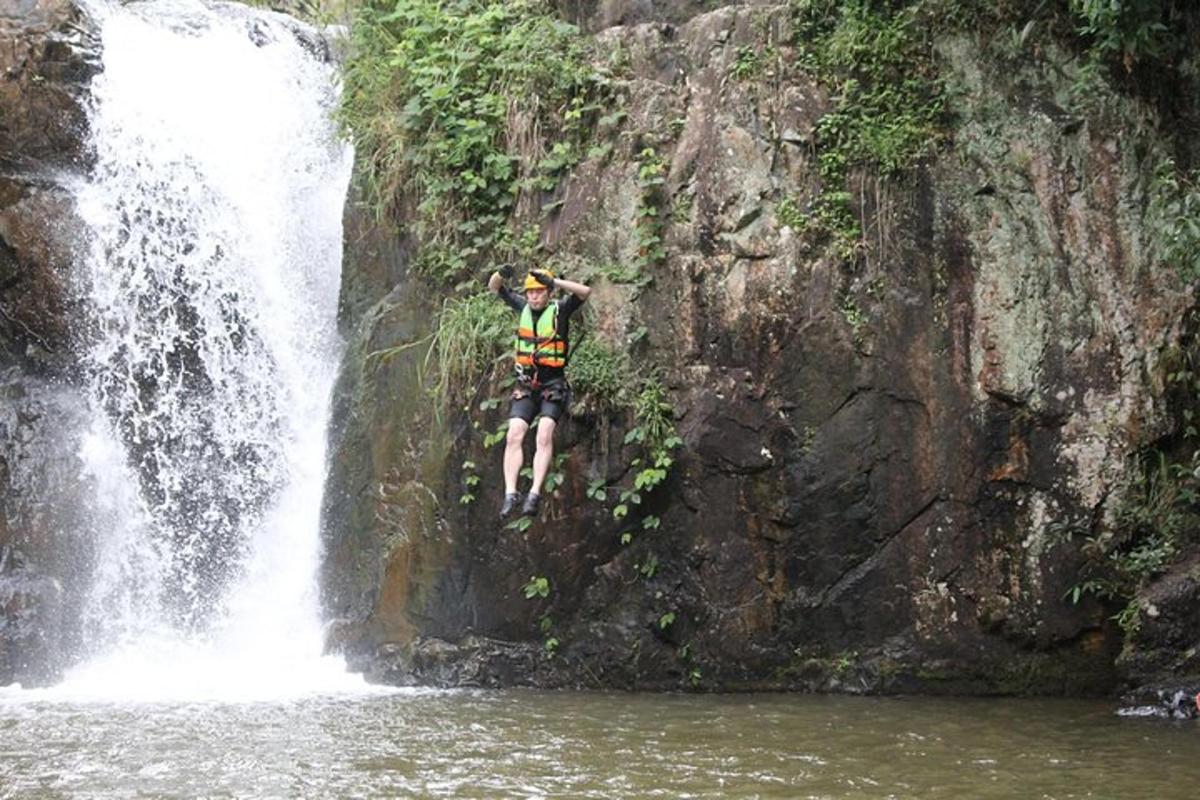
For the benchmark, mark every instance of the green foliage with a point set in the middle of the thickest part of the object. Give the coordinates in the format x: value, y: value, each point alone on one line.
x: 450, y: 104
x: 666, y: 620
x: 649, y: 567
x: 789, y: 213
x: 520, y: 524
x: 855, y: 317
x: 1133, y: 29
x: 747, y: 63
x: 844, y: 662
x: 652, y: 171
x: 600, y: 374
x: 470, y: 481
x: 597, y: 491
x: 538, y: 586
x: 546, y: 625
x: 1174, y: 219
x: 473, y: 334
x: 555, y: 475
x: 888, y: 102
x: 1159, y: 511
x: 610, y: 380
x: 654, y: 434
x: 494, y: 438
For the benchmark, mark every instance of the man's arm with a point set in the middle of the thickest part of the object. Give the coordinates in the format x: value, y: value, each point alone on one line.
x: 574, y: 287
x: 496, y: 286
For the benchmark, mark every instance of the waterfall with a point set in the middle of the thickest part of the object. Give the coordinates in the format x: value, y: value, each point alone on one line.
x: 215, y: 220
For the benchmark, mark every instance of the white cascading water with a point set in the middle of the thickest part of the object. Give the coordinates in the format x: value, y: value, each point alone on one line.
x: 215, y: 210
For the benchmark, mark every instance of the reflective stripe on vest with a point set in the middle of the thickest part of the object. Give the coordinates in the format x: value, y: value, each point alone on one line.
x: 542, y: 347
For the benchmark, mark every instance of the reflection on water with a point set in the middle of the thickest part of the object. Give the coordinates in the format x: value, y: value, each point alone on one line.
x: 522, y: 744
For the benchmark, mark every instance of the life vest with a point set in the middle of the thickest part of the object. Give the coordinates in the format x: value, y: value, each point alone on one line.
x: 542, y: 347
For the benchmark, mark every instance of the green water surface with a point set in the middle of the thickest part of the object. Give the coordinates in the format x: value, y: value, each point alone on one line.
x: 524, y: 744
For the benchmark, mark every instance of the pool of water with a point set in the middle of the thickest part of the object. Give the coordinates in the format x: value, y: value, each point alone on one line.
x: 525, y: 744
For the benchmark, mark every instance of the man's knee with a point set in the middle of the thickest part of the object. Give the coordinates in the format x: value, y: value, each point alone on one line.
x: 516, y: 431
x: 545, y: 433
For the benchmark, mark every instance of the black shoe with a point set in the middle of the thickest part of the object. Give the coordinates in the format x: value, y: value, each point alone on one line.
x: 510, y: 504
x: 531, y: 505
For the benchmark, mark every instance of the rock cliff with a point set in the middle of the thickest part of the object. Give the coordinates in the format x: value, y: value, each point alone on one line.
x: 884, y: 458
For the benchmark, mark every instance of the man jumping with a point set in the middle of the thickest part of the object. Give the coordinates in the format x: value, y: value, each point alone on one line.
x: 542, y: 390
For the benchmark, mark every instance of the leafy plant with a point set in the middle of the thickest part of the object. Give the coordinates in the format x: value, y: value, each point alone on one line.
x: 600, y: 374
x: 747, y: 64
x: 1158, y: 512
x: 1132, y: 28
x: 888, y: 100
x: 555, y: 476
x: 649, y: 216
x: 597, y: 491
x: 649, y: 567
x: 497, y: 436
x: 472, y: 335
x: 1174, y: 219
x: 789, y: 214
x: 470, y: 481
x: 537, y: 586
x: 520, y: 524
x: 451, y: 103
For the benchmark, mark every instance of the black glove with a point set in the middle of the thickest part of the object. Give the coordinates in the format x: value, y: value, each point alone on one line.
x: 506, y: 271
x: 541, y: 277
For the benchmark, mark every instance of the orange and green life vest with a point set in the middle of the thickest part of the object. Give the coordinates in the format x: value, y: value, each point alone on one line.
x: 540, y: 345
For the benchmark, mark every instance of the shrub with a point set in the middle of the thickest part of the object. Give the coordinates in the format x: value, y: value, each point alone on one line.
x: 450, y: 104
x: 600, y: 374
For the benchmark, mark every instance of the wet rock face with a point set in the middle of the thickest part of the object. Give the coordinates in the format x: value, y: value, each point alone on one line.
x: 45, y: 68
x: 44, y: 73
x: 47, y: 61
x: 878, y: 457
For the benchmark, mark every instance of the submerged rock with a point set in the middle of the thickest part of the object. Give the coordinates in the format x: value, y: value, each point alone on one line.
x: 1164, y: 704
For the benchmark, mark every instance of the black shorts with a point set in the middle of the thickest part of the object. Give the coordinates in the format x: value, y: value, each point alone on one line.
x: 546, y: 401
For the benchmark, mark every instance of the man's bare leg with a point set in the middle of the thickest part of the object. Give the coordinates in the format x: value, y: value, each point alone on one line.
x: 514, y: 455
x: 544, y: 454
